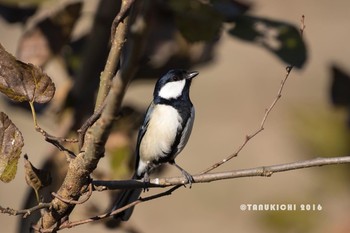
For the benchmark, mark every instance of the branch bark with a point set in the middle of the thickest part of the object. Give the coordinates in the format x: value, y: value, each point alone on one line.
x: 264, y: 171
x: 24, y: 212
x: 81, y: 167
x: 92, y: 151
x: 177, y: 182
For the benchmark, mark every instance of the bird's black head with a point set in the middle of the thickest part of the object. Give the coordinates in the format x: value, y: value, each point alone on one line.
x: 174, y: 84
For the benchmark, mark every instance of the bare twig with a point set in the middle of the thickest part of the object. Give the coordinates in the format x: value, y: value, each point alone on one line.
x: 265, y: 171
x: 106, y: 215
x: 24, y: 212
x: 119, y: 32
x: 120, y: 17
x: 74, y: 202
x: 118, y: 40
x: 256, y: 132
x: 88, y: 123
x: 302, y: 25
x: 266, y: 115
x: 56, y: 141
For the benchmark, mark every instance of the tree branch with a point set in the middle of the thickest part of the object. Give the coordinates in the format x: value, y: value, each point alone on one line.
x: 96, y: 136
x: 265, y: 171
x: 86, y: 161
x: 106, y: 215
x: 87, y: 197
x: 24, y: 212
x: 118, y: 40
x: 177, y: 182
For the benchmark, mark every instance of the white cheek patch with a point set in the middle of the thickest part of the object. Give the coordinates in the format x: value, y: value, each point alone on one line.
x: 172, y: 90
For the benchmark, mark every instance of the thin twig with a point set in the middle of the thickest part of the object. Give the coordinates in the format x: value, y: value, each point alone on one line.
x: 120, y: 17
x: 119, y: 39
x: 265, y: 117
x: 56, y: 141
x: 106, y: 215
x: 74, y: 202
x: 302, y: 25
x: 88, y: 123
x: 256, y: 132
x: 110, y: 68
x: 24, y: 212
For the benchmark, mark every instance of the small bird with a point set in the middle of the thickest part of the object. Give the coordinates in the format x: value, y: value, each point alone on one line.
x: 164, y: 133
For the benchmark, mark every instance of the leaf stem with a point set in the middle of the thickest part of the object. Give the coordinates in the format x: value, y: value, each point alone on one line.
x: 32, y: 108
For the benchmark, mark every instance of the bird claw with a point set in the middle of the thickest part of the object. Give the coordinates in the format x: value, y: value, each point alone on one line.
x: 187, y: 175
x: 189, y: 178
x: 146, y: 180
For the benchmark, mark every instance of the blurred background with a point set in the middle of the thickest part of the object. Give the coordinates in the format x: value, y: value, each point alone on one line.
x: 241, y: 50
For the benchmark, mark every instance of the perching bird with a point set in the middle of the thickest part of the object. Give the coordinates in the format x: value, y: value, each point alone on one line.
x: 164, y: 133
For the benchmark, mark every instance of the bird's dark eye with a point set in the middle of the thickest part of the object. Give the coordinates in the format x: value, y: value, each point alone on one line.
x: 176, y: 78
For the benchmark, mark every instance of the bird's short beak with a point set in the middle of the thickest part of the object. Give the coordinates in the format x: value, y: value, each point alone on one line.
x: 192, y: 74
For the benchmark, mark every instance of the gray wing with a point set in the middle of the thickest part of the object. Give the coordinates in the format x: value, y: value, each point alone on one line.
x: 142, y: 132
x: 186, y: 132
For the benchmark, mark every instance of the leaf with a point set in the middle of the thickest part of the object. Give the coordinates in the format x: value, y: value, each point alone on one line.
x: 281, y: 38
x: 11, y: 143
x: 15, y: 13
x: 23, y: 82
x: 230, y: 9
x: 196, y: 21
x: 340, y: 87
x: 34, y: 38
x: 34, y: 177
x: 49, y: 34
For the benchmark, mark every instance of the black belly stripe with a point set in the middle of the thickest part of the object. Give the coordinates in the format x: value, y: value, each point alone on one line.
x: 184, y: 106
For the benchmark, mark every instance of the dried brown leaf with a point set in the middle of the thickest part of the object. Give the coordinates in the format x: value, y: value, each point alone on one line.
x: 11, y: 143
x: 34, y: 177
x: 24, y: 82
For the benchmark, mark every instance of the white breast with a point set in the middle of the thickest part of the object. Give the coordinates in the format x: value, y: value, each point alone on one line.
x: 160, y: 134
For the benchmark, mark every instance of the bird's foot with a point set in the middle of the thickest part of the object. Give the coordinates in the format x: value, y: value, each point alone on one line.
x: 146, y: 180
x: 189, y: 178
x: 187, y: 175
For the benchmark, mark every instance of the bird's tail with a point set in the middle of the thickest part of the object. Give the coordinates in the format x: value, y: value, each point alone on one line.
x: 126, y: 197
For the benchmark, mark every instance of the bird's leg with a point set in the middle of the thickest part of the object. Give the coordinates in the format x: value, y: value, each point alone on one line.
x: 146, y: 180
x: 184, y: 173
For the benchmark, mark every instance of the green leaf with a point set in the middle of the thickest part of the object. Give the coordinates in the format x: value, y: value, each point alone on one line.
x: 196, y: 21
x: 11, y: 143
x: 23, y: 82
x: 281, y: 38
